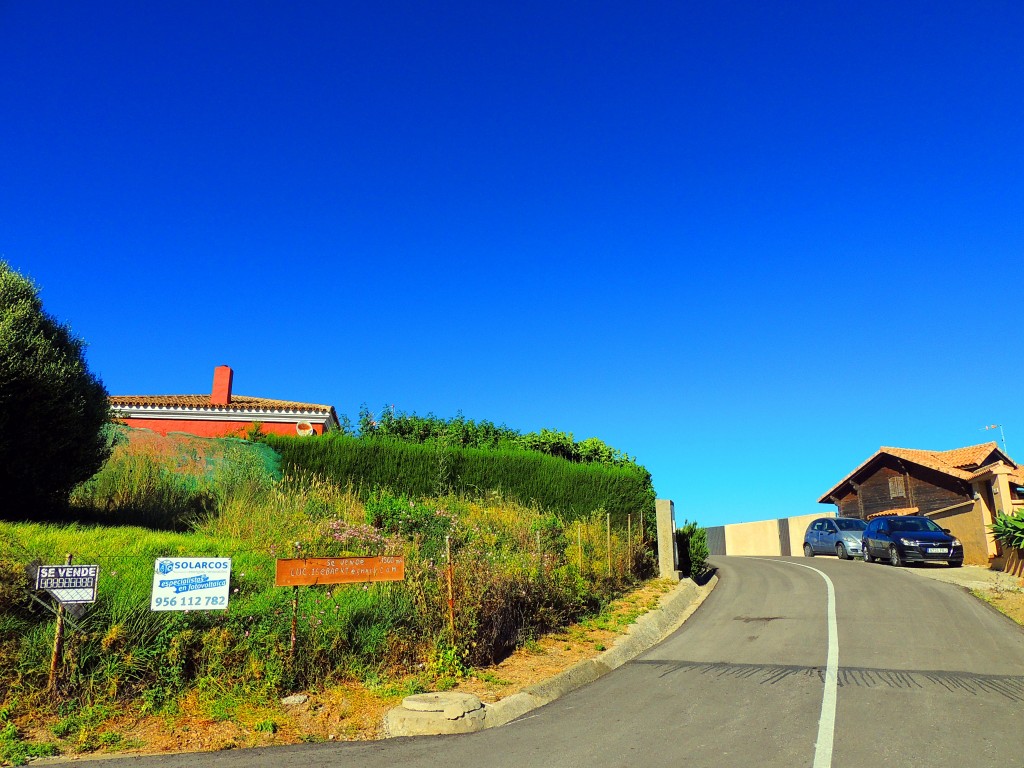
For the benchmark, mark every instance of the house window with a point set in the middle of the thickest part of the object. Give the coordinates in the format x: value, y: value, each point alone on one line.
x: 896, y: 488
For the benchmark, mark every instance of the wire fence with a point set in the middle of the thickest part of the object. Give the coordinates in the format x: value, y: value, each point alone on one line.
x: 466, y: 597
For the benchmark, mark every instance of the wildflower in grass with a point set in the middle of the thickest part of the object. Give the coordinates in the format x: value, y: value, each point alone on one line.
x: 355, y: 536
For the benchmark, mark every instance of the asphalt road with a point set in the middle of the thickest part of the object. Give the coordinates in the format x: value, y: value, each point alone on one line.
x: 926, y: 675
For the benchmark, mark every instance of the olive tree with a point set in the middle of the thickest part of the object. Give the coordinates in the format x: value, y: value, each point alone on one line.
x: 52, y: 408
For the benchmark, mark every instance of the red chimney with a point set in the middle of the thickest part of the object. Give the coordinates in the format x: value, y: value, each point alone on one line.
x: 221, y: 385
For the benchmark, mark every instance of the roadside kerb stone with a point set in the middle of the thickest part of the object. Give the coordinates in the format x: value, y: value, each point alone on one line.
x: 444, y: 712
x: 441, y: 713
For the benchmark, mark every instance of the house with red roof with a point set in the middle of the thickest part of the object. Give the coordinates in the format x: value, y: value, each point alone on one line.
x: 222, y: 413
x: 962, y: 490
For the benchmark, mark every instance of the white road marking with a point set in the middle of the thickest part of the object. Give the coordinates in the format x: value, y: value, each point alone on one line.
x: 827, y: 720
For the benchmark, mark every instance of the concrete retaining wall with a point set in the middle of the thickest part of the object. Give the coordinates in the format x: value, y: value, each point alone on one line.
x: 764, y: 538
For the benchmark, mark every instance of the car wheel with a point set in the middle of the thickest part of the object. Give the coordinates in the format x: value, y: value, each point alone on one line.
x: 866, y: 552
x: 894, y: 556
x: 808, y: 552
x: 955, y: 563
x: 841, y: 552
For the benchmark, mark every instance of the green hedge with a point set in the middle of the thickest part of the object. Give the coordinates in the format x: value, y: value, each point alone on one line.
x: 569, y: 489
x: 692, y: 545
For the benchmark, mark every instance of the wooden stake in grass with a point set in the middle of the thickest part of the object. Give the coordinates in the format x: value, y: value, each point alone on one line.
x: 58, y: 642
x: 629, y: 542
x: 295, y: 623
x: 579, y: 542
x: 451, y: 591
x: 608, y: 537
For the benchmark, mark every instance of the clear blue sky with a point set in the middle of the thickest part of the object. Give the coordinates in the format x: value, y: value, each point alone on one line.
x: 746, y: 242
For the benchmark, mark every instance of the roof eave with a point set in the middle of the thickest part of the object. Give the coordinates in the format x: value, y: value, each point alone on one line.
x: 215, y: 413
x: 953, y: 472
x: 827, y: 498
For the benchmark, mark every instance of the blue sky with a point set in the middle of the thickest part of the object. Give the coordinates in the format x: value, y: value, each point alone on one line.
x: 746, y: 244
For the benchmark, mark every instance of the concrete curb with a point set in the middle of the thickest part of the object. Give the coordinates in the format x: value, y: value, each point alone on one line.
x: 674, y: 609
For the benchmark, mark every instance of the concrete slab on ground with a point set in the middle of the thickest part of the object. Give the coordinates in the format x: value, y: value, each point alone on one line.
x: 970, y: 576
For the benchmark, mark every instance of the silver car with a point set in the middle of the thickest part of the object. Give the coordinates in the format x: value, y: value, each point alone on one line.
x: 838, y: 536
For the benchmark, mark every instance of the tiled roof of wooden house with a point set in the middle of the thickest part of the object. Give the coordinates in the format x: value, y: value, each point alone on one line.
x: 971, y: 456
x: 961, y: 463
x: 931, y: 459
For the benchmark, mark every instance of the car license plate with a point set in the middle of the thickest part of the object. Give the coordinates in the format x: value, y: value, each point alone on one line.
x: 936, y: 551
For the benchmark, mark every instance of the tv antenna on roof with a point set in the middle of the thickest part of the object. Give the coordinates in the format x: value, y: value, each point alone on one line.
x: 1001, y: 435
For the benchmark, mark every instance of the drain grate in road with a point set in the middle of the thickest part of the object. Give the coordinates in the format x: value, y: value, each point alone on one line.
x: 1010, y: 687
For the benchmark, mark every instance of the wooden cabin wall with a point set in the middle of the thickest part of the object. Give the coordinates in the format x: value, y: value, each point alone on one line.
x: 935, y: 490
x: 925, y: 489
x: 874, y: 492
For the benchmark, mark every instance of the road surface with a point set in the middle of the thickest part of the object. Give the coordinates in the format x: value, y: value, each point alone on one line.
x: 789, y: 662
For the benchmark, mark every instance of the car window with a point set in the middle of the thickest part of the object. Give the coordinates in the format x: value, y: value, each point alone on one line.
x: 846, y: 524
x: 819, y: 525
x: 915, y: 524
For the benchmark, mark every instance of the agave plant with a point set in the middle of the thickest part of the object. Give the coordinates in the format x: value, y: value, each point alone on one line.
x: 1009, y: 530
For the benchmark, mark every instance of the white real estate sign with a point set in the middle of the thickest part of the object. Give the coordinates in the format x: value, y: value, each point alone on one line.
x: 191, y: 584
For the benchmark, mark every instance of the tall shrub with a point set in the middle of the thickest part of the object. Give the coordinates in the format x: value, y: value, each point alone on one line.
x: 466, y: 433
x: 692, y: 543
x: 52, y: 408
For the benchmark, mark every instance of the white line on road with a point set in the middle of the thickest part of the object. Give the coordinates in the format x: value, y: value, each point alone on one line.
x: 827, y: 720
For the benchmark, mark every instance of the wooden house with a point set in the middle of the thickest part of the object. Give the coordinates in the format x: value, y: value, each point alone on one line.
x: 962, y: 490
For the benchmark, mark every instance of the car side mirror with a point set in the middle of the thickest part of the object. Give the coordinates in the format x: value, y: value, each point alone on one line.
x: 945, y: 530
x: 884, y: 531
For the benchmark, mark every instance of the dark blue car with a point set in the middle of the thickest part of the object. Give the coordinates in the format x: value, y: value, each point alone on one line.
x: 910, y: 539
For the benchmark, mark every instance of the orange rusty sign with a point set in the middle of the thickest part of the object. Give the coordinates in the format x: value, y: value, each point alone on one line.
x: 338, y: 570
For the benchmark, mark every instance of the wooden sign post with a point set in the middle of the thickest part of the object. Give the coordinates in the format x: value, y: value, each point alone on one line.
x: 309, y: 571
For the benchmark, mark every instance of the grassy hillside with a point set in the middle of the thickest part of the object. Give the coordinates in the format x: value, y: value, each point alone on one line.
x: 518, y: 570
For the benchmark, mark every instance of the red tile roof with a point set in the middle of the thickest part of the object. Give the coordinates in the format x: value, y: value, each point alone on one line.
x: 931, y: 459
x: 960, y: 463
x: 193, y: 402
x: 972, y: 455
x: 897, y: 511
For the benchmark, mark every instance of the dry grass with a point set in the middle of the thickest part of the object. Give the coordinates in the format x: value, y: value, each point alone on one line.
x: 355, y: 711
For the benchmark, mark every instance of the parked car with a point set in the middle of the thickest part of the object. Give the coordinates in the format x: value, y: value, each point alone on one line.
x: 910, y: 539
x: 840, y: 536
